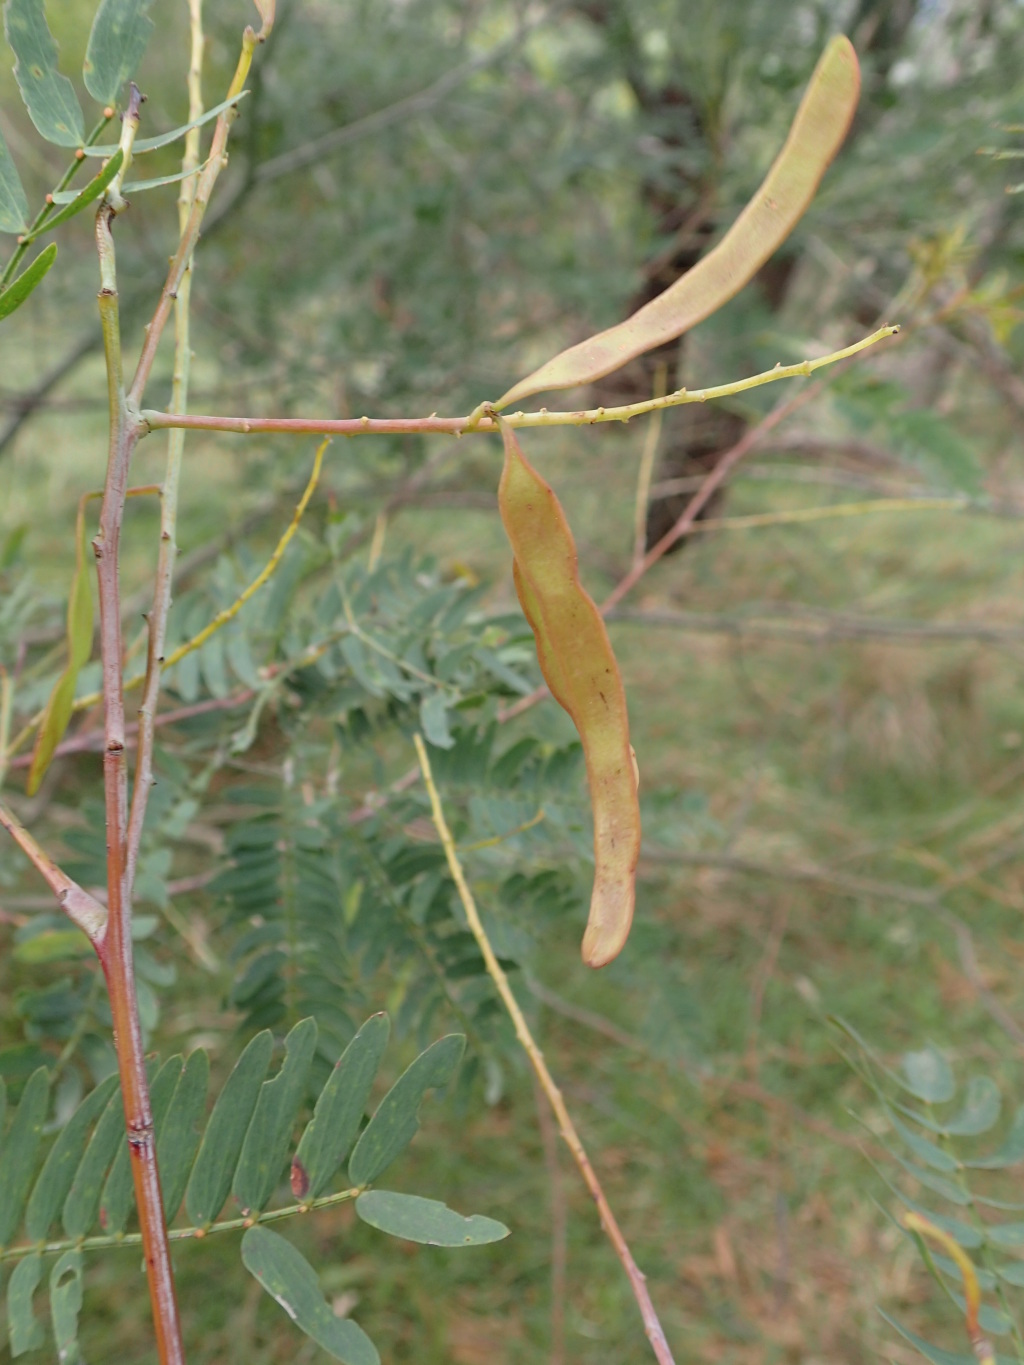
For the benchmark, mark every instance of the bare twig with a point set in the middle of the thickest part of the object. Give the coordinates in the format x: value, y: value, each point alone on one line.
x: 157, y: 620
x: 459, y: 426
x: 81, y: 908
x: 559, y: 1224
x: 652, y: 1325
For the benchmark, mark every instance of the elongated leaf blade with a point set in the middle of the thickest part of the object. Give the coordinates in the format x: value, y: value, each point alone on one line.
x: 117, y: 44
x: 13, y: 203
x: 54, y: 1180
x: 426, y: 1220
x: 178, y: 1139
x: 19, y: 288
x: 52, y: 727
x: 396, y: 1121
x: 266, y: 1143
x: 86, y: 195
x: 25, y: 1330
x: 118, y: 1196
x: 339, y: 1111
x: 150, y: 144
x: 211, y: 1176
x: 82, y: 1204
x: 60, y: 706
x: 49, y: 97
x: 816, y: 135
x: 21, y: 1151
x: 288, y: 1277
x: 66, y: 1304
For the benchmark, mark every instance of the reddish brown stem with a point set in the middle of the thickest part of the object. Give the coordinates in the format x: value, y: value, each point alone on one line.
x: 115, y: 950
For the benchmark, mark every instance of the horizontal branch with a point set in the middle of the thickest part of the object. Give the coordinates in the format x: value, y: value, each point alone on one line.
x: 134, y: 1239
x: 455, y: 426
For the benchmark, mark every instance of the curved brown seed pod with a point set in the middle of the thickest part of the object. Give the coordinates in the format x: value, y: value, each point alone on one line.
x: 815, y: 136
x: 578, y: 664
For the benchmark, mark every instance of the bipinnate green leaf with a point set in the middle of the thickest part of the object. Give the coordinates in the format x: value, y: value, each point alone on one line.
x: 210, y: 1181
x: 339, y: 1111
x: 928, y: 1076
x: 816, y: 135
x: 178, y: 1139
x: 66, y: 1304
x: 49, y: 97
x: 26, y: 1331
x: 267, y: 1141
x: 288, y: 1277
x: 426, y: 1220
x: 150, y: 144
x: 117, y: 43
x: 118, y: 1196
x: 54, y: 1180
x: 86, y: 195
x: 1009, y: 1153
x: 58, y: 710
x: 13, y: 203
x: 22, y: 285
x: 396, y: 1121
x: 1012, y: 1273
x: 20, y: 1152
x: 82, y: 1204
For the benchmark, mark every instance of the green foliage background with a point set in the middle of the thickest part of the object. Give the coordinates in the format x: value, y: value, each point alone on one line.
x: 828, y: 716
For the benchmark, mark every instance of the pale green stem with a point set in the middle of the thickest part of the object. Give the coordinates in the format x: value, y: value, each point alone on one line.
x: 163, y: 587
x: 134, y: 1239
x: 458, y: 426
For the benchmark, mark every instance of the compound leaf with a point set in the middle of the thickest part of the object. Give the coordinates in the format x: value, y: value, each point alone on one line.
x: 928, y: 1076
x: 19, y: 288
x: 54, y: 1180
x: 78, y: 201
x: 178, y: 1139
x: 13, y: 203
x: 266, y: 1142
x: 211, y: 1176
x: 26, y: 1332
x: 82, y: 1203
x: 1011, y: 1151
x: 396, y: 1121
x: 117, y: 43
x: 66, y: 1304
x: 288, y: 1277
x: 339, y: 1110
x: 20, y: 1150
x: 426, y: 1220
x: 49, y: 97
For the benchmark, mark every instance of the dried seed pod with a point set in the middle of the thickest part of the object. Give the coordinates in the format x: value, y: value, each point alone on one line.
x: 815, y: 136
x: 579, y: 667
